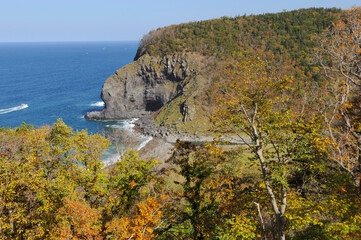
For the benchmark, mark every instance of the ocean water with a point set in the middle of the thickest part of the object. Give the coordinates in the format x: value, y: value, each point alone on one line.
x: 41, y: 82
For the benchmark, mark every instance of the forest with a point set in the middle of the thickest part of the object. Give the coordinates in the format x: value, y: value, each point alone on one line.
x: 284, y: 37
x: 297, y: 174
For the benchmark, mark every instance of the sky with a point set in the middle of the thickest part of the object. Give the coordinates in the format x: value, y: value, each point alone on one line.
x: 125, y: 20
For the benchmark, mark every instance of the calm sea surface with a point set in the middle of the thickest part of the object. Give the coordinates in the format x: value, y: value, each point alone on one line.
x: 58, y: 80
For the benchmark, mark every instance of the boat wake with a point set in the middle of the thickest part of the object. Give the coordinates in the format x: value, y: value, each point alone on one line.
x: 17, y: 108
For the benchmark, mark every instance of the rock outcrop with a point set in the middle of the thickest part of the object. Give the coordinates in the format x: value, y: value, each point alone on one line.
x: 146, y: 85
x: 171, y: 85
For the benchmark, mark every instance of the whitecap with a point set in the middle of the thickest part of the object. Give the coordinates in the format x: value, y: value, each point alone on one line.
x: 129, y: 124
x: 17, y: 108
x: 98, y: 104
x: 117, y: 125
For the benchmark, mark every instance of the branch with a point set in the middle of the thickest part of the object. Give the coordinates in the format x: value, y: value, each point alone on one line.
x: 283, y: 199
x: 261, y: 220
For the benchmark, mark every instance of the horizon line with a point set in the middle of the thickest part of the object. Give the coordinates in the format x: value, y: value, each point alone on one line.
x: 69, y: 41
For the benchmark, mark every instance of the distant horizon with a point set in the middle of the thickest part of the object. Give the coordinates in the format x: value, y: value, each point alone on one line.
x: 73, y: 41
x: 114, y: 21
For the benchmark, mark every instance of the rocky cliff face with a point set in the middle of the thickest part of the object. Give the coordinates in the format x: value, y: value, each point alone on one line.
x: 146, y: 85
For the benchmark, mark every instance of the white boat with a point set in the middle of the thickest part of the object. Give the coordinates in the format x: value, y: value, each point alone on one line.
x: 24, y: 105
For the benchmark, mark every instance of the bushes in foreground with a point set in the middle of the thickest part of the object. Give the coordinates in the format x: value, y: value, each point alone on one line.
x: 55, y: 186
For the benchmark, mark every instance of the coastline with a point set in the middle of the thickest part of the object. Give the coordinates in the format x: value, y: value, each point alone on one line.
x: 156, y: 141
x: 146, y: 126
x: 163, y: 140
x: 152, y: 141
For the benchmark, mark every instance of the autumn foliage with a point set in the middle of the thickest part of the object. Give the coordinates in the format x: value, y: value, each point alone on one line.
x: 295, y: 175
x: 54, y: 186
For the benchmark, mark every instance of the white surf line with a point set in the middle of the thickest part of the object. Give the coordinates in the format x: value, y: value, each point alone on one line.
x: 142, y: 145
x: 17, y: 108
x: 98, y: 104
x: 129, y: 125
x: 111, y: 159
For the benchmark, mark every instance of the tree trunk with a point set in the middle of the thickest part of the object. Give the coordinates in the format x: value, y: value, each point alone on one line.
x: 280, y: 226
x: 357, y: 179
x: 279, y: 212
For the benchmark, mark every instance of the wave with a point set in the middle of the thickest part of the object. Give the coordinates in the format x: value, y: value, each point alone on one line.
x: 128, y: 127
x: 122, y: 124
x: 116, y: 125
x: 97, y: 104
x: 17, y: 108
x: 130, y: 124
x: 147, y: 140
x: 110, y: 158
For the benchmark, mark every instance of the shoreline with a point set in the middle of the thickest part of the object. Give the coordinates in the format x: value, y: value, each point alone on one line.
x: 162, y: 143
x: 158, y: 142
x: 146, y: 126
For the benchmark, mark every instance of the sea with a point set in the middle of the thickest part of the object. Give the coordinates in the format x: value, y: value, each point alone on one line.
x: 42, y: 82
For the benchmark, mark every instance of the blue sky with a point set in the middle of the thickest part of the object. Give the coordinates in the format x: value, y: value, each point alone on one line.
x: 122, y: 20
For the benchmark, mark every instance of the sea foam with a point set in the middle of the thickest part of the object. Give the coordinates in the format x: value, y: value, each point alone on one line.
x: 146, y: 139
x: 98, y: 104
x: 128, y: 126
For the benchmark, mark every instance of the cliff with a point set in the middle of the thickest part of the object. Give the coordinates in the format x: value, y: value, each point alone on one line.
x: 167, y: 86
x: 171, y: 77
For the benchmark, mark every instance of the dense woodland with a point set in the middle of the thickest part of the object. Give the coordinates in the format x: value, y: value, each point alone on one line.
x: 281, y: 33
x: 297, y: 175
x: 285, y: 37
x: 285, y: 40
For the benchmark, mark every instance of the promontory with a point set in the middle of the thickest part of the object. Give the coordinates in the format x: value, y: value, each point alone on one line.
x: 172, y: 77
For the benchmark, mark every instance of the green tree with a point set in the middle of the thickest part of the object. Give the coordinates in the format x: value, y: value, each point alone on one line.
x: 198, y: 193
x: 257, y: 104
x: 133, y: 208
x: 127, y: 177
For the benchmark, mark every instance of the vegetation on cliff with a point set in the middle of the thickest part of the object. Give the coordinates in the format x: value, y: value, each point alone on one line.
x: 286, y: 33
x: 284, y: 39
x: 297, y: 176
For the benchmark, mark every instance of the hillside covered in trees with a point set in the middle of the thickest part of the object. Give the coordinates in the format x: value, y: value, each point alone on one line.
x: 295, y: 105
x: 285, y: 36
x: 176, y: 66
x: 224, y: 36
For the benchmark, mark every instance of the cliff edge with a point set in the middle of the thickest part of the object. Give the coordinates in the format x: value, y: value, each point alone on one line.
x: 163, y: 87
x: 170, y: 80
